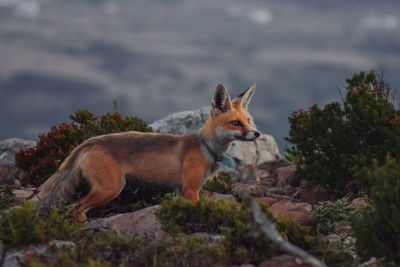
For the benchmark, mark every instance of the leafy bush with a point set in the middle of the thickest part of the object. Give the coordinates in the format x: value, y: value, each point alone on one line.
x: 336, y: 253
x: 24, y: 225
x: 335, y: 142
x: 108, y: 248
x: 377, y: 230
x: 42, y: 160
x: 233, y: 220
x: 327, y: 214
x: 184, y: 250
x: 7, y: 197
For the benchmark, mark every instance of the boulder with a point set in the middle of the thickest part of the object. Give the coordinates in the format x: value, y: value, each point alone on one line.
x: 8, y: 148
x: 270, y: 167
x: 183, y: 123
x: 142, y: 222
x: 287, y: 175
x: 20, y: 257
x: 299, y: 212
x: 315, y: 194
x: 257, y: 152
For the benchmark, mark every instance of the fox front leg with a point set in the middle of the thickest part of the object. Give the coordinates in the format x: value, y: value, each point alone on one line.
x: 194, y: 169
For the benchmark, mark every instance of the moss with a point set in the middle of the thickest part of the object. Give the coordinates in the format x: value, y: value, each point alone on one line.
x: 24, y: 225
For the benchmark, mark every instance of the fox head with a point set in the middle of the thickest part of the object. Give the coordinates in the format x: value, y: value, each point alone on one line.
x: 230, y: 120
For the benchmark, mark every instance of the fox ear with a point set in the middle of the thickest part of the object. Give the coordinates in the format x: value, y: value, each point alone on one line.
x: 244, y: 98
x: 221, y: 100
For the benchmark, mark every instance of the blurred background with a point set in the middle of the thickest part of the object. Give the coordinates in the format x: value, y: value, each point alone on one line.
x: 156, y: 57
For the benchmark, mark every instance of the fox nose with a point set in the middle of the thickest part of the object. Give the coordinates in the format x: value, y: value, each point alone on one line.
x: 256, y: 134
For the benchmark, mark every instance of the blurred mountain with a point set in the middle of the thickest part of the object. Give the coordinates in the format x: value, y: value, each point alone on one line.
x: 162, y: 56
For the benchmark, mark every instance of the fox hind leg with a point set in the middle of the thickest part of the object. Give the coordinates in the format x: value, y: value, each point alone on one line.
x: 107, y: 181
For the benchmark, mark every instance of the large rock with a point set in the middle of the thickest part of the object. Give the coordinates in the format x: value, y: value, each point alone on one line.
x: 183, y: 123
x: 8, y: 148
x: 299, y: 212
x: 262, y: 150
x: 142, y: 222
x: 21, y: 256
x: 315, y: 194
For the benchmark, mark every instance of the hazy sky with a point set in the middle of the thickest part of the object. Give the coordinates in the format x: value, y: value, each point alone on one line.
x: 159, y: 57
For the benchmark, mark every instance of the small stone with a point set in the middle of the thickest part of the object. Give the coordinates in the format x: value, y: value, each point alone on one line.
x: 24, y: 194
x: 284, y: 260
x: 359, y: 202
x: 17, y: 184
x: 342, y: 228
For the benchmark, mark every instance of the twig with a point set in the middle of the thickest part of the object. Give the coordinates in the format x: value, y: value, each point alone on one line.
x: 269, y: 229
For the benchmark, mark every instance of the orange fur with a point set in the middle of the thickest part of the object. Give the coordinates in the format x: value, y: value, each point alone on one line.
x: 181, y: 161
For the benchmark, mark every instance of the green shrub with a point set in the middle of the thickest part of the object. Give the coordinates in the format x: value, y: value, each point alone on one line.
x: 327, y: 214
x: 7, y: 197
x: 24, y: 225
x: 108, y: 248
x: 233, y: 220
x: 184, y: 250
x: 222, y: 183
x: 377, y: 230
x: 335, y: 253
x: 89, y: 248
x: 335, y: 142
x: 42, y: 160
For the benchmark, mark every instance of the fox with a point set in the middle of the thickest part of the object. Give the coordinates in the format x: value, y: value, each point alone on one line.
x: 182, y: 162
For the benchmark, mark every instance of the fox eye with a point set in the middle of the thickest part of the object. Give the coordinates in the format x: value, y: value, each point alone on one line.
x: 249, y: 120
x: 236, y: 123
